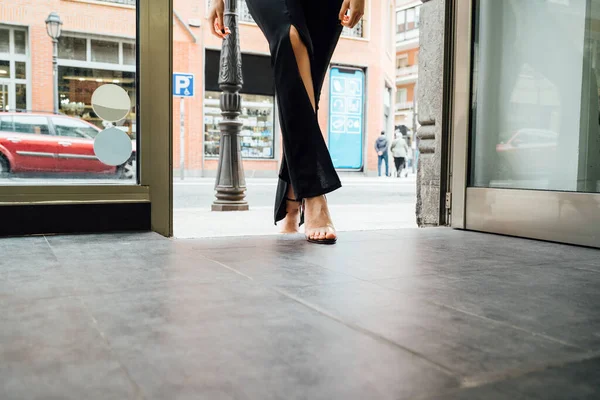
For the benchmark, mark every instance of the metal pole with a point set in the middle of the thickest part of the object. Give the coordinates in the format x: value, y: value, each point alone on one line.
x: 182, y: 138
x: 230, y: 183
x: 55, y: 72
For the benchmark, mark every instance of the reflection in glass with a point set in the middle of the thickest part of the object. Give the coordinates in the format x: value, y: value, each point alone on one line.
x: 105, y: 52
x: 4, y: 41
x: 77, y: 85
x: 256, y: 138
x: 72, y: 48
x: 21, y: 96
x: 129, y: 54
x: 4, y: 106
x: 536, y: 117
x: 20, y: 42
x: 20, y: 70
x: 4, y: 69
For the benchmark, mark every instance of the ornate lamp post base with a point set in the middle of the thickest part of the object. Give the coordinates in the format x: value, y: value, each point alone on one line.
x: 230, y: 183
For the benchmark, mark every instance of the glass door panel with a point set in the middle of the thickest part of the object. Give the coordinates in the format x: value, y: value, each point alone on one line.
x: 89, y: 91
x: 535, y: 117
x: 534, y: 136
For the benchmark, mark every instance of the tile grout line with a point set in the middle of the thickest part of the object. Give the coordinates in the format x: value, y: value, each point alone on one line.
x: 490, y: 379
x: 137, y: 389
x: 349, y: 325
x: 483, y: 318
x: 486, y: 379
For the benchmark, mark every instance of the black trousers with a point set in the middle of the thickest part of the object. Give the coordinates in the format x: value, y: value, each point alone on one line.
x: 399, y: 163
x: 306, y: 164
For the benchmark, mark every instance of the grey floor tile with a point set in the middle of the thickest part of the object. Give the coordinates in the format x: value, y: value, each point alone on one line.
x: 463, y: 343
x: 574, y: 381
x: 277, y: 267
x: 238, y: 340
x: 552, y: 300
x: 50, y: 350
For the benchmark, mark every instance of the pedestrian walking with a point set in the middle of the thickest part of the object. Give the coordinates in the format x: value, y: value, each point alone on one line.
x: 381, y: 147
x: 302, y: 36
x: 400, y: 152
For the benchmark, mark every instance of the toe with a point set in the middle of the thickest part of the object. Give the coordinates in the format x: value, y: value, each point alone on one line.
x: 331, y: 235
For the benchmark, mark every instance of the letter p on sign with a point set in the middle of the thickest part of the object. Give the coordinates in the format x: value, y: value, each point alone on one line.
x: 183, y: 85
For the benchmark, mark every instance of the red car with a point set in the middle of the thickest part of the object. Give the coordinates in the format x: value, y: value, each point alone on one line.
x: 57, y: 144
x: 528, y: 154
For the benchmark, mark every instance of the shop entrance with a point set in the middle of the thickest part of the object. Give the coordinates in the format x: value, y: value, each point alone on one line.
x: 526, y: 146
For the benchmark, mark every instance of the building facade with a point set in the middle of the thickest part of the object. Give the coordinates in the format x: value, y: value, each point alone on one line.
x: 510, y: 118
x: 98, y: 46
x: 408, y: 15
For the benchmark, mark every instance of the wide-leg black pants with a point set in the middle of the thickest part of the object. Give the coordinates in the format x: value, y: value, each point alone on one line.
x: 306, y: 164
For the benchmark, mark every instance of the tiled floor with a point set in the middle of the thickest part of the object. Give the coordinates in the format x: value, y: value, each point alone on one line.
x: 409, y: 314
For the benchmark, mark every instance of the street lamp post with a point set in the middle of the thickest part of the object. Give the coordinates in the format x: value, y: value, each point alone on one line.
x: 230, y: 184
x: 54, y: 28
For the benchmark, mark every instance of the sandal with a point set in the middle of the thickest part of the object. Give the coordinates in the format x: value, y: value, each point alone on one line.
x: 329, y: 226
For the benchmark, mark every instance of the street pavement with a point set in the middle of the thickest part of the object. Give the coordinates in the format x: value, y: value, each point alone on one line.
x: 361, y: 204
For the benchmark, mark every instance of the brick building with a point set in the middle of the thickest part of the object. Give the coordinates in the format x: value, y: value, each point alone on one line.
x: 97, y: 46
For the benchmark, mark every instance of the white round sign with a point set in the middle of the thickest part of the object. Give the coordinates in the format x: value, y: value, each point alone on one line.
x: 111, y: 102
x: 112, y: 146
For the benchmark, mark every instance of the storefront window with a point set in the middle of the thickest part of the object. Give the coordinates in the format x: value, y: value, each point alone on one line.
x: 20, y: 70
x: 536, y: 107
x: 72, y: 48
x: 21, y: 96
x: 4, y: 69
x: 256, y: 138
x: 105, y: 52
x: 128, y: 53
x: 20, y: 42
x: 76, y: 86
x: 4, y: 40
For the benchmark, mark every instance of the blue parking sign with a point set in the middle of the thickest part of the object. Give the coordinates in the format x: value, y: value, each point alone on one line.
x: 183, y: 85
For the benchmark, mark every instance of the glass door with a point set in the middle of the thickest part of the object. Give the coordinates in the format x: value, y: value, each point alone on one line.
x: 532, y: 123
x: 71, y: 131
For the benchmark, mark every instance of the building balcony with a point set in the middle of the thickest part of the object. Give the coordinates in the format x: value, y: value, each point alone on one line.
x: 407, y: 74
x: 407, y: 40
x: 404, y: 106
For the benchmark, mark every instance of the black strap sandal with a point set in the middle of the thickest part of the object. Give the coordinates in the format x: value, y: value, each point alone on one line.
x: 318, y: 241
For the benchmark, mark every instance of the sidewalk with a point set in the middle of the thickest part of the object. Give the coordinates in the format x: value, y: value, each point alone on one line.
x: 201, y: 222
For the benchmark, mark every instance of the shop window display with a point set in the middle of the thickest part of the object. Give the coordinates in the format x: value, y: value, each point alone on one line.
x: 76, y: 86
x: 256, y: 137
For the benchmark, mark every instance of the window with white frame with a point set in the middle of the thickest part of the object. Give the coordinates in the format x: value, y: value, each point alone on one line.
x: 14, y: 68
x: 87, y: 62
x: 407, y: 23
x: 401, y: 95
x: 74, y: 50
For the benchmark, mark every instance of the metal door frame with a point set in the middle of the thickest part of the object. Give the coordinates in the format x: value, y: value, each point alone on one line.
x: 155, y: 191
x: 566, y: 217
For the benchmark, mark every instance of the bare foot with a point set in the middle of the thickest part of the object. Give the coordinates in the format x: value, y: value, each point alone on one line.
x: 318, y: 225
x: 291, y: 222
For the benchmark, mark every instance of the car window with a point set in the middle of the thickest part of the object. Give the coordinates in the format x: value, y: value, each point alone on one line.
x: 30, y: 124
x: 72, y: 128
x: 6, y: 123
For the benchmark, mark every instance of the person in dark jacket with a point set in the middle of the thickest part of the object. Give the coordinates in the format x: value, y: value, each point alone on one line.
x: 381, y: 146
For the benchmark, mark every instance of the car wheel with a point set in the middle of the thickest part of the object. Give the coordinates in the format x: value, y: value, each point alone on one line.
x: 4, y: 167
x: 129, y: 169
